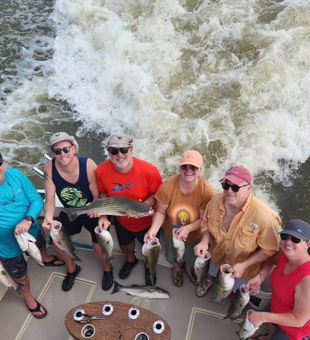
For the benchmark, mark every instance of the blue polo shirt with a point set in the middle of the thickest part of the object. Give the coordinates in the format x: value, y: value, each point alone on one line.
x: 18, y: 199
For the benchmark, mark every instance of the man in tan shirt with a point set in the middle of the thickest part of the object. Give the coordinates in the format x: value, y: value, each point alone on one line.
x: 238, y: 227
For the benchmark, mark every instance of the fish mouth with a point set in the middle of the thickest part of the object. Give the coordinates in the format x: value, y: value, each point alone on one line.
x: 243, y: 289
x: 226, y: 269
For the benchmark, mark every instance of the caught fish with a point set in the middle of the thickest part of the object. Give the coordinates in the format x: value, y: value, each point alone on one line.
x: 115, y: 206
x: 223, y: 284
x: 27, y: 243
x: 201, y: 267
x: 179, y: 246
x: 151, y: 251
x: 246, y: 329
x: 6, y: 279
x: 148, y: 292
x: 105, y: 241
x: 63, y: 240
x: 238, y: 303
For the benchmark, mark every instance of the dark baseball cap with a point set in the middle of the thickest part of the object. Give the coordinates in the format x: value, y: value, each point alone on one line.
x: 297, y: 228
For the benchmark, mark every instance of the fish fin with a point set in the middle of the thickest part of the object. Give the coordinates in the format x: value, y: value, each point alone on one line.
x: 72, y: 215
x: 116, y: 287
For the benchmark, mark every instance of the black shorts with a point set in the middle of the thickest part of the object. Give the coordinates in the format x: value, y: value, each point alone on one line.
x: 126, y: 237
x: 75, y: 226
x: 16, y: 266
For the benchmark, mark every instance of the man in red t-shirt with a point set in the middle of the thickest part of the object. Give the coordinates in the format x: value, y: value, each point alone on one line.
x: 127, y: 176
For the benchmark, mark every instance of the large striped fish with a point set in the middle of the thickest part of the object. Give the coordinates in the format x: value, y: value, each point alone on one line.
x: 115, y: 206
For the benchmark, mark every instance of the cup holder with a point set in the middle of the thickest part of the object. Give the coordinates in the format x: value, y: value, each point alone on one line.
x: 88, y: 331
x: 142, y: 336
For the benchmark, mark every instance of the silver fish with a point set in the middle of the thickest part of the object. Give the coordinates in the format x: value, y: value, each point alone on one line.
x: 223, y: 284
x: 238, y: 303
x: 115, y: 206
x: 148, y: 292
x: 27, y: 243
x: 246, y: 329
x: 201, y: 267
x: 151, y: 251
x: 105, y: 241
x: 62, y: 239
x: 6, y: 279
x: 179, y: 246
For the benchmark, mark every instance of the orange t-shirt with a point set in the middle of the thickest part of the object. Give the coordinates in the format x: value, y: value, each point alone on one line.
x: 183, y: 209
x: 141, y: 181
x: 255, y: 227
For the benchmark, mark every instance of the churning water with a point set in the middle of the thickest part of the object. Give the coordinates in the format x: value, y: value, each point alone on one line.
x: 228, y: 78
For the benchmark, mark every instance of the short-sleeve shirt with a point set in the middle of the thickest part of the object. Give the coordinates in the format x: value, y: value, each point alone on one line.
x: 141, y: 181
x: 183, y: 209
x: 255, y: 227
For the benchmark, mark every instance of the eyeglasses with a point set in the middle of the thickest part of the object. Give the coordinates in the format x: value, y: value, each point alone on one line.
x: 66, y: 149
x: 189, y: 167
x: 234, y: 187
x: 12, y: 200
x: 115, y: 151
x: 294, y: 239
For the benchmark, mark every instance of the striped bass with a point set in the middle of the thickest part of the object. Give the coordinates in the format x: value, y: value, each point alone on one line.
x: 151, y: 251
x: 114, y: 206
x: 223, y: 284
x: 105, y: 241
x: 148, y: 292
x: 27, y: 243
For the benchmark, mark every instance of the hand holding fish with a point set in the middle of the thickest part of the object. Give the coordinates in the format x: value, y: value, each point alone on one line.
x: 22, y: 227
x: 93, y: 214
x: 150, y: 236
x: 238, y: 270
x: 104, y: 223
x: 201, y: 249
x: 47, y: 222
x: 255, y: 317
x: 254, y: 284
x: 182, y: 233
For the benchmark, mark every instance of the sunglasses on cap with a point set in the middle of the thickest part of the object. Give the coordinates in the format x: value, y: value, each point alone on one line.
x: 189, y: 167
x: 115, y: 151
x: 58, y: 151
x: 294, y: 239
x: 234, y: 187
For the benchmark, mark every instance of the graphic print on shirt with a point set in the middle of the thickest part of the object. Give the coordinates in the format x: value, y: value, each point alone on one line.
x: 119, y: 187
x: 73, y: 197
x: 183, y: 214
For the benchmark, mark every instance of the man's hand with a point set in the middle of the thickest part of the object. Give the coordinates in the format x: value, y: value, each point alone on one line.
x: 23, y: 227
x: 104, y: 223
x: 201, y: 248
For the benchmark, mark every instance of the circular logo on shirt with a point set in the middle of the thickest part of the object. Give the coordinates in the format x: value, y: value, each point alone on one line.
x: 73, y: 197
x: 183, y: 214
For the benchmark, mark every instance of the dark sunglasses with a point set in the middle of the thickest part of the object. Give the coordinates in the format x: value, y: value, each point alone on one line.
x: 1, y: 162
x: 189, y: 167
x: 115, y: 151
x: 294, y: 239
x: 234, y: 187
x: 66, y: 149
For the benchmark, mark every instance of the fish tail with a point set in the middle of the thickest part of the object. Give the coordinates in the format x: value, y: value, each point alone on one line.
x: 116, y: 287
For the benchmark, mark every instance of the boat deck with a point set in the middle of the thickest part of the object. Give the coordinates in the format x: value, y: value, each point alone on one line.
x: 189, y: 317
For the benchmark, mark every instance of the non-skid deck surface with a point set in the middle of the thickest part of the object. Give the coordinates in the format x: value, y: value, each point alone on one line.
x: 189, y: 317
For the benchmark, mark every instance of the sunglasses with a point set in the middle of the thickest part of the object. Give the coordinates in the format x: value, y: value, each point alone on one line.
x: 1, y: 162
x: 234, y: 187
x: 66, y: 149
x: 294, y: 239
x: 189, y: 167
x: 115, y: 151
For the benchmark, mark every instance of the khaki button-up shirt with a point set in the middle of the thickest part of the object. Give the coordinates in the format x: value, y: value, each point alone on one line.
x: 255, y: 227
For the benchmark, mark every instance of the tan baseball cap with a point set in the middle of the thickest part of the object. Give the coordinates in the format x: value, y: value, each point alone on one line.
x: 61, y: 136
x: 119, y: 141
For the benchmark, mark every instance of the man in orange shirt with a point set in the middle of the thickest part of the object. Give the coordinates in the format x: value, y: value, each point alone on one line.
x: 127, y: 176
x: 240, y: 229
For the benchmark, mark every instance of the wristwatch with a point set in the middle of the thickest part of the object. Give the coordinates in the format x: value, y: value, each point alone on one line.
x: 29, y: 218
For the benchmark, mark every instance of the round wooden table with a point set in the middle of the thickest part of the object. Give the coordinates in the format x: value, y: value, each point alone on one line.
x: 119, y: 321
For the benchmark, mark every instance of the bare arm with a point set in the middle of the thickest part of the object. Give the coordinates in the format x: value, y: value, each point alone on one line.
x: 50, y: 191
x: 258, y: 257
x: 91, y: 174
x: 297, y: 318
x: 202, y: 247
x: 157, y: 222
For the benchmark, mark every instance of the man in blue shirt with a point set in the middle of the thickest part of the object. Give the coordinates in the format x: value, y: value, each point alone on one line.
x: 20, y: 206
